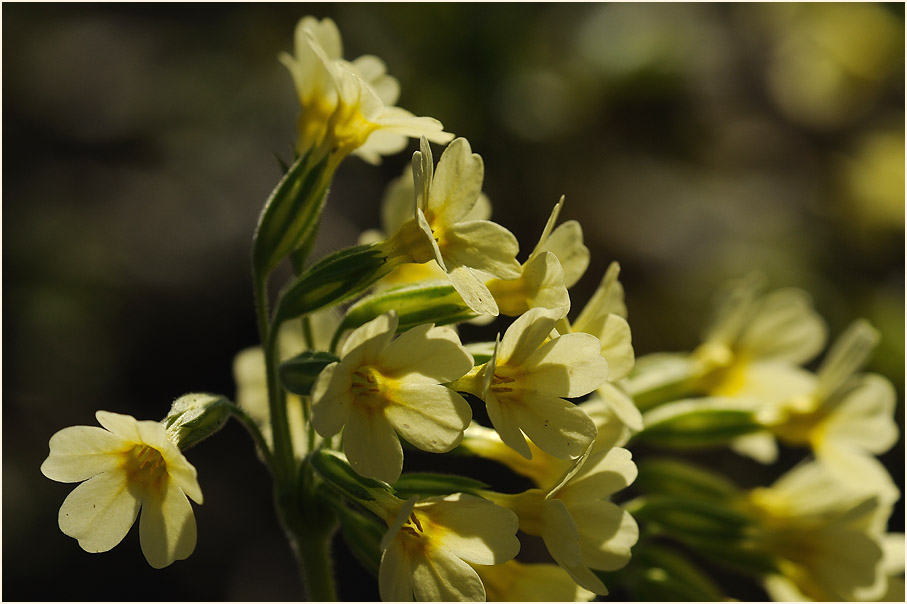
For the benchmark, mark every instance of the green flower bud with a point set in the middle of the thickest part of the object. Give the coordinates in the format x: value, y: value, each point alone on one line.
x: 194, y: 417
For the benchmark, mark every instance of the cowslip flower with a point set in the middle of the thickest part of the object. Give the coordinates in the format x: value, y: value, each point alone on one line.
x: 580, y: 527
x: 753, y: 350
x: 348, y: 106
x: 440, y: 231
x: 397, y: 210
x: 848, y: 417
x: 126, y: 466
x: 431, y: 544
x: 382, y: 387
x: 556, y: 263
x: 525, y: 383
x: 515, y: 581
x: 827, y: 536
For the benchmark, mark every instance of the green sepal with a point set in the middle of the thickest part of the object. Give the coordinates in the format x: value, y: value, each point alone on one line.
x: 194, y: 417
x: 685, y: 515
x: 290, y: 214
x: 743, y: 556
x: 427, y: 483
x: 672, y: 477
x: 332, y: 280
x: 298, y: 374
x: 338, y: 473
x: 431, y: 302
x: 697, y: 423
x: 362, y: 532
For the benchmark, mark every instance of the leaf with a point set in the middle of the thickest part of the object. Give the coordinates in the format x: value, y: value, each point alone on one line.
x: 338, y: 473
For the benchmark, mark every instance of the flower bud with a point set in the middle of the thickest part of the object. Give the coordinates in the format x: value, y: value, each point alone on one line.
x: 194, y: 417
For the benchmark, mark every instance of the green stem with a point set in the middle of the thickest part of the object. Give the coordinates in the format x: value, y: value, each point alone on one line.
x: 280, y: 425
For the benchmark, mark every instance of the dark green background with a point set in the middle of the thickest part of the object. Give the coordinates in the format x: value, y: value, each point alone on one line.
x: 138, y: 150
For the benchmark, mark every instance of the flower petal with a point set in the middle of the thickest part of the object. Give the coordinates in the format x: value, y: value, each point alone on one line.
x: 456, y: 184
x: 482, y: 245
x: 100, y: 511
x: 556, y: 426
x: 442, y: 577
x: 395, y: 574
x: 569, y: 365
x: 432, y: 352
x: 607, y: 536
x: 167, y: 528
x: 507, y: 425
x: 471, y: 289
x: 784, y: 327
x: 79, y: 452
x: 367, y: 341
x: 431, y: 417
x: 864, y: 416
x: 526, y: 334
x: 124, y: 426
x: 566, y: 242
x: 621, y: 404
x: 603, y: 474
x: 478, y: 531
x: 372, y: 446
x: 332, y: 399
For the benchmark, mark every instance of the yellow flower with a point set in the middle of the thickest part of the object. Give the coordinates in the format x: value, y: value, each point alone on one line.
x: 442, y: 229
x: 580, y: 527
x: 827, y: 536
x: 524, y: 383
x: 514, y: 581
x: 382, y: 387
x: 348, y: 106
x: 428, y: 549
x: 397, y: 210
x: 127, y: 466
x: 848, y: 416
x: 557, y: 262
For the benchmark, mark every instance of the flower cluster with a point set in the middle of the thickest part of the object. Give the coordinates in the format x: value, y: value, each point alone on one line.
x: 361, y: 370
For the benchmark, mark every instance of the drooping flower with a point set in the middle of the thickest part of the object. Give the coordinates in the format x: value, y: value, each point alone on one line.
x: 348, y: 106
x: 515, y: 581
x: 126, y: 466
x: 827, y: 536
x: 847, y: 417
x: 383, y: 387
x: 465, y: 249
x: 581, y: 528
x: 557, y: 262
x: 525, y: 383
x: 431, y: 544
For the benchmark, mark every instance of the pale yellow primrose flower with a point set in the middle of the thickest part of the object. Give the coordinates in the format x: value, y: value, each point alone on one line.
x: 515, y: 581
x: 580, y: 527
x: 525, y: 383
x: 440, y: 231
x: 828, y: 536
x: 848, y: 417
x: 348, y: 106
x: 753, y: 350
x: 605, y: 317
x: 126, y: 466
x: 544, y: 278
x: 430, y: 545
x: 397, y: 210
x: 382, y: 387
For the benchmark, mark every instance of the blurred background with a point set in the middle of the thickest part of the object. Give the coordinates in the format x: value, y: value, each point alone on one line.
x: 694, y: 142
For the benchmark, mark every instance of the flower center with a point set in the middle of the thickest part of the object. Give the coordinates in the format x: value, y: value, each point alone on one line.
x: 368, y: 387
x: 145, y: 466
